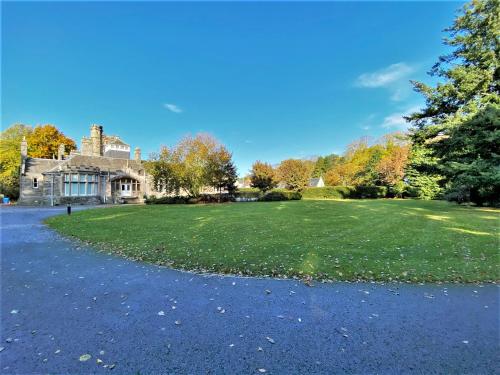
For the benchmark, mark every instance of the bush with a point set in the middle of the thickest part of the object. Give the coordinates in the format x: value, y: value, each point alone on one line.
x: 373, y: 192
x: 345, y: 192
x: 248, y: 193
x: 203, y: 198
x: 166, y: 200
x: 281, y: 195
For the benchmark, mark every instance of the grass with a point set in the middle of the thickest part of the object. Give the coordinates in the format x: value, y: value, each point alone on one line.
x: 380, y: 240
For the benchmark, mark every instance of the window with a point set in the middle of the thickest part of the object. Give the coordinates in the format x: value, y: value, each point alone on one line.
x: 35, y: 183
x: 80, y: 184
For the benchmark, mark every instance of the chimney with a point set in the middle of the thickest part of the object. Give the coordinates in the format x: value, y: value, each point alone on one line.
x: 137, y: 154
x: 24, y: 148
x: 60, y: 152
x: 96, y: 140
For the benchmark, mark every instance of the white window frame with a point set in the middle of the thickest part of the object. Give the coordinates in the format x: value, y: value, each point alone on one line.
x: 35, y: 183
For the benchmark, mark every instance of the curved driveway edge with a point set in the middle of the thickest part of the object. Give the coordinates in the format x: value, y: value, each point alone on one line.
x: 60, y: 301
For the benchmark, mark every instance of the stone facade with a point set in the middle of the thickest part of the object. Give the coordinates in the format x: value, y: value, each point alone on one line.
x: 101, y: 172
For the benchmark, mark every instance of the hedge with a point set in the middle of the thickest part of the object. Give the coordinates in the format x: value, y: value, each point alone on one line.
x: 345, y: 192
x: 281, y: 195
x: 247, y: 193
x: 204, y: 198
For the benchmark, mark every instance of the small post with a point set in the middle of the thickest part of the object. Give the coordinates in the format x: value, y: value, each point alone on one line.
x: 68, y: 208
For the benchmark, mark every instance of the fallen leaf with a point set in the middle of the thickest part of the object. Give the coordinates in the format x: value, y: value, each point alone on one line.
x: 270, y: 340
x: 85, y: 357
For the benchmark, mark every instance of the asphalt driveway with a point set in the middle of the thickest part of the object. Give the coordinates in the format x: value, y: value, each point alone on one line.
x: 71, y: 310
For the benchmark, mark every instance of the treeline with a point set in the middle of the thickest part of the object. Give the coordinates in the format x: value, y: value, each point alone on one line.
x: 453, y: 145
x: 43, y: 142
x: 380, y: 164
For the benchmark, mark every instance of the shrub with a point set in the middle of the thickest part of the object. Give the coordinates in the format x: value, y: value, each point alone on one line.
x: 167, y: 200
x: 281, y: 195
x: 329, y: 192
x: 203, y: 198
x: 373, y: 192
x: 248, y: 193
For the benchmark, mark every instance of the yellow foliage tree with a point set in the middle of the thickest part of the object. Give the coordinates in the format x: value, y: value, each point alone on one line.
x: 44, y: 141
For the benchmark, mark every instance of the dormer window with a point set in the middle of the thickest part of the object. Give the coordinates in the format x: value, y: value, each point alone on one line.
x: 35, y: 183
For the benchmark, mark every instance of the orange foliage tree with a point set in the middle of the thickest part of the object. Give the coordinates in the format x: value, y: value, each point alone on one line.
x: 44, y: 141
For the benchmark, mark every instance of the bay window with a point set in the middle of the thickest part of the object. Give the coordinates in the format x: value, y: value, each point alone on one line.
x: 80, y: 184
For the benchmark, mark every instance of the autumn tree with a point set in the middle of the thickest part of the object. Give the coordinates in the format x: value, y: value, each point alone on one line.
x: 342, y: 174
x: 221, y: 172
x: 262, y: 176
x: 391, y: 167
x: 44, y: 141
x: 192, y: 164
x: 190, y: 158
x: 324, y: 163
x: 10, y: 158
x: 163, y: 169
x: 468, y: 80
x: 294, y: 173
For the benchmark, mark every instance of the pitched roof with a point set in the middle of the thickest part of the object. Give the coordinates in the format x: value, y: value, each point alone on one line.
x: 103, y: 163
x: 39, y: 165
x: 315, y: 181
x: 112, y: 140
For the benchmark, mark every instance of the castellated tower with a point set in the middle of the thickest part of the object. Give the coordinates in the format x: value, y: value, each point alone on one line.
x: 96, y: 139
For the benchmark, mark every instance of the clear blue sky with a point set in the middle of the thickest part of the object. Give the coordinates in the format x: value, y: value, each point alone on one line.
x: 270, y: 80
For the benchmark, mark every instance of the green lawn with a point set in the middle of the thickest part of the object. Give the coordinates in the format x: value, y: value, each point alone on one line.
x: 336, y: 240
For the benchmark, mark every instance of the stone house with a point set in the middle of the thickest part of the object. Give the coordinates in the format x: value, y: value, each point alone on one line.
x: 100, y: 172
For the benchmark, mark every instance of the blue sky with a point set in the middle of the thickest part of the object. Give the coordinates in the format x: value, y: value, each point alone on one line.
x: 270, y: 80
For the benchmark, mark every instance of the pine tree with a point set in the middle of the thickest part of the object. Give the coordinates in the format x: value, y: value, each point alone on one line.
x: 469, y: 81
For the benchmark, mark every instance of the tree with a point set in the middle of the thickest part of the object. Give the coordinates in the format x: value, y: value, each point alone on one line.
x: 391, y: 167
x: 163, y: 170
x: 469, y: 80
x: 190, y: 159
x: 340, y: 175
x: 324, y: 164
x: 294, y: 173
x: 221, y: 172
x: 10, y: 158
x: 44, y: 141
x: 262, y: 176
x: 192, y: 164
x: 470, y: 158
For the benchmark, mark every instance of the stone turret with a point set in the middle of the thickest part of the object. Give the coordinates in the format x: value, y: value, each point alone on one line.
x: 96, y: 139
x: 60, y: 152
x: 137, y: 154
